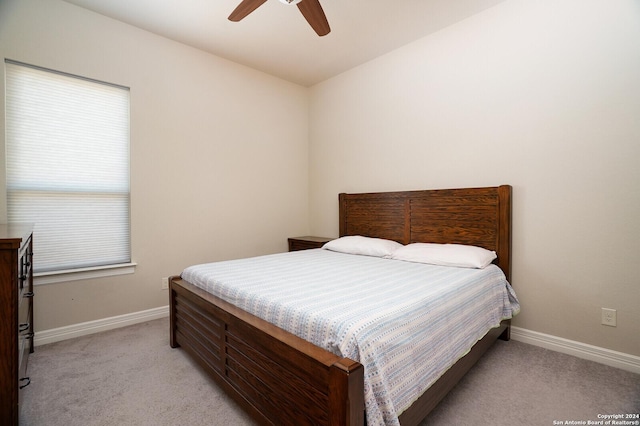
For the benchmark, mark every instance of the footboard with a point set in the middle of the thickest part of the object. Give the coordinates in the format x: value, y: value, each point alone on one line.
x: 275, y: 376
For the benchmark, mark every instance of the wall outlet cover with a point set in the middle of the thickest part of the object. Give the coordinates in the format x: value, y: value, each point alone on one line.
x: 609, y: 317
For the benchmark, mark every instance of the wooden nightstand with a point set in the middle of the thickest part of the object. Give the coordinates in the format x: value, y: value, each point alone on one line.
x: 307, y: 242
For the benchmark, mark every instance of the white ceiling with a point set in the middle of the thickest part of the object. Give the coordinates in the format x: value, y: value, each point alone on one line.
x: 276, y: 39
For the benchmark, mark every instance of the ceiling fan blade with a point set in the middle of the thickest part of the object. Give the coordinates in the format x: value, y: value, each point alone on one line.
x: 313, y: 13
x: 245, y: 8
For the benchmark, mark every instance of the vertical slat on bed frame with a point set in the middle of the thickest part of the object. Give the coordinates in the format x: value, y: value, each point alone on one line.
x: 504, y: 255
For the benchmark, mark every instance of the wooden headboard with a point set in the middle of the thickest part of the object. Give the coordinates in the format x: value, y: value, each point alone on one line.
x: 473, y: 216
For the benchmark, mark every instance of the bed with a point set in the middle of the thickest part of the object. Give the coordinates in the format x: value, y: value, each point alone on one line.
x: 280, y: 378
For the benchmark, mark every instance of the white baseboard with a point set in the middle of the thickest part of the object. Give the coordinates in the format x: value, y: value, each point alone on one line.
x: 90, y: 327
x: 581, y: 350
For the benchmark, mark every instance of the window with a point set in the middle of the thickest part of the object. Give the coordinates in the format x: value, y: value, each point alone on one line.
x: 67, y: 146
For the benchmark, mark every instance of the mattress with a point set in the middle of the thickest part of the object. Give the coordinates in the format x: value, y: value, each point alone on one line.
x: 406, y: 322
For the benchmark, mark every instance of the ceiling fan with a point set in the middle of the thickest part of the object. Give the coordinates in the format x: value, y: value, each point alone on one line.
x: 310, y: 9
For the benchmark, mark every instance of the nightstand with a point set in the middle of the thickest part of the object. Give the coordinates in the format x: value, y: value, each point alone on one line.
x: 307, y: 242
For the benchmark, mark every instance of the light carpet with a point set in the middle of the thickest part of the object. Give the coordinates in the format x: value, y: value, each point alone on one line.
x: 130, y: 376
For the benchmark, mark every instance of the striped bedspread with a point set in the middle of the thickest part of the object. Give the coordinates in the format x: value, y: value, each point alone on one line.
x: 407, y: 323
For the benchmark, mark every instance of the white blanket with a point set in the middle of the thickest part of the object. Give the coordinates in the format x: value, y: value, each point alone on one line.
x: 407, y: 323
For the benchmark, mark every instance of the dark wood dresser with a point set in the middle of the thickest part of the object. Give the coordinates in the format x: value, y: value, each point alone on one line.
x: 308, y: 242
x: 16, y: 316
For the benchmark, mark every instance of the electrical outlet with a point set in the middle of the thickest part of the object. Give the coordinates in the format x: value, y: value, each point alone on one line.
x: 609, y: 317
x: 165, y: 283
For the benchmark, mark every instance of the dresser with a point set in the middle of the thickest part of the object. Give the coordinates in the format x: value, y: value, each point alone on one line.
x: 16, y: 316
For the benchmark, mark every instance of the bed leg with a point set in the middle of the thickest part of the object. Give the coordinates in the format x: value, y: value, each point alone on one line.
x: 346, y: 400
x: 506, y: 334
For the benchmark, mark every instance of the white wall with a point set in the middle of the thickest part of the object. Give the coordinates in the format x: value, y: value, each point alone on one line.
x: 216, y: 171
x: 542, y: 95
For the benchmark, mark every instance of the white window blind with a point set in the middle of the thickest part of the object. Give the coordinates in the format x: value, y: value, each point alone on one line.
x: 67, y: 146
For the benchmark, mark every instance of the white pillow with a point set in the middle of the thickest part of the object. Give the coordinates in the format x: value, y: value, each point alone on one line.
x: 445, y: 254
x: 367, y: 246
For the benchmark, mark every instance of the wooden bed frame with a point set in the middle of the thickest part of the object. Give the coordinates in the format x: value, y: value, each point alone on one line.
x: 279, y: 378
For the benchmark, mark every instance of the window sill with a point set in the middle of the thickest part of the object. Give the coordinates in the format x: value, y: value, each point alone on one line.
x: 53, y: 277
